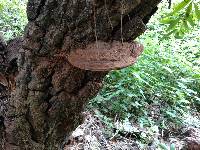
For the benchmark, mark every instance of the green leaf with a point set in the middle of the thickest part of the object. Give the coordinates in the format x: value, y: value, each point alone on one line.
x: 168, y: 34
x: 197, y: 11
x: 191, y: 21
x: 196, y: 76
x: 179, y: 35
x: 188, y: 10
x: 166, y: 21
x: 173, y: 24
x: 1, y: 7
x: 180, y: 6
x: 168, y: 69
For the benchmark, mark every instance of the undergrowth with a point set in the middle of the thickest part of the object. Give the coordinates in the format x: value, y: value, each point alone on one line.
x: 12, y: 17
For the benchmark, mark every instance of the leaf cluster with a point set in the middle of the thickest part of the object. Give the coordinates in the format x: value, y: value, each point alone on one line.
x: 184, y: 17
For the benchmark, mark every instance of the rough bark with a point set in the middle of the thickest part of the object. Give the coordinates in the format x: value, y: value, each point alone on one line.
x: 50, y: 93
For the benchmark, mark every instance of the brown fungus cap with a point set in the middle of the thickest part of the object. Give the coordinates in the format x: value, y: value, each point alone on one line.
x: 103, y: 56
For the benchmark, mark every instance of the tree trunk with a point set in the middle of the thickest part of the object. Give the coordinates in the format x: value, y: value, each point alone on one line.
x: 50, y: 93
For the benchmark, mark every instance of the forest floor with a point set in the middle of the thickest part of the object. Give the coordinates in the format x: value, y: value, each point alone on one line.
x: 92, y: 135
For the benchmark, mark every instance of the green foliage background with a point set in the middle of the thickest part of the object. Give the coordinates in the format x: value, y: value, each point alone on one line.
x: 167, y: 75
x: 12, y: 17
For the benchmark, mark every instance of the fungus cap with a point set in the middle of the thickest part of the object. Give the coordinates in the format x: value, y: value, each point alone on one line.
x: 103, y: 56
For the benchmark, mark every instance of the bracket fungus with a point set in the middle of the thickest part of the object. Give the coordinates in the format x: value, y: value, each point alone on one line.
x: 103, y: 56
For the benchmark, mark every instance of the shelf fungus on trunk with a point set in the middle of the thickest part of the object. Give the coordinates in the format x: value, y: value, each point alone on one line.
x: 103, y: 56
